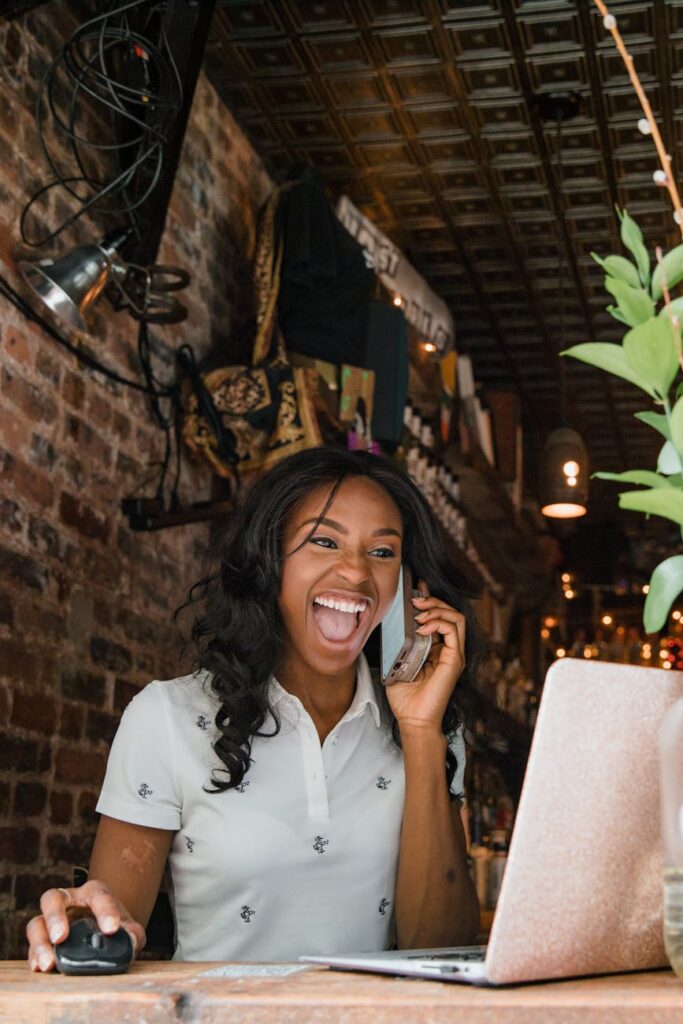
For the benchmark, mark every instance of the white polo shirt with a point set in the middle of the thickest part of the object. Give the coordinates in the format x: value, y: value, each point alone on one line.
x: 301, y: 857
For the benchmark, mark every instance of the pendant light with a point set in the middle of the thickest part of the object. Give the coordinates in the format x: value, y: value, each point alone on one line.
x: 564, y: 473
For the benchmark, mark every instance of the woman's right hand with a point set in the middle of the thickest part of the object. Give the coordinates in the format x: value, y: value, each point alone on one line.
x: 51, y: 926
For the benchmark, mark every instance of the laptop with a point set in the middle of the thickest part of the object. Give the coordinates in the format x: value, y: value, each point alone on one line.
x: 582, y: 889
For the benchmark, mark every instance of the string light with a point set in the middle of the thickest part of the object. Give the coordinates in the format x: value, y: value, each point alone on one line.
x: 569, y: 593
x: 566, y: 577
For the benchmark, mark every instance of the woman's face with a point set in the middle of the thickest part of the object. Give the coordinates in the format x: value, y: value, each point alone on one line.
x: 340, y: 583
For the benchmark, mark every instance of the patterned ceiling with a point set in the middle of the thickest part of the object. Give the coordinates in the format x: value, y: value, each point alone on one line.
x: 421, y: 111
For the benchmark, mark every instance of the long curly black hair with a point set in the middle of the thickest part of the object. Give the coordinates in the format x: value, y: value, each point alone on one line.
x: 238, y: 634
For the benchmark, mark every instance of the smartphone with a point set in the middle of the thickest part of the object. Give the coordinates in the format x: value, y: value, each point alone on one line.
x: 403, y: 650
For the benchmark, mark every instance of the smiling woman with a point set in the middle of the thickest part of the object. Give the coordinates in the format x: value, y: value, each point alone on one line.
x: 303, y: 807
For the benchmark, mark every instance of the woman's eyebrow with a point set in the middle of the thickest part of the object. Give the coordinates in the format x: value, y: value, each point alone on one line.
x: 384, y: 531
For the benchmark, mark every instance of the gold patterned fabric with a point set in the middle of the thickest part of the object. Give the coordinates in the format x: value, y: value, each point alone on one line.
x: 265, y: 409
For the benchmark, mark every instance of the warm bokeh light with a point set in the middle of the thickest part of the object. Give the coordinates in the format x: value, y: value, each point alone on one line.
x: 588, y: 652
x: 550, y: 621
x: 571, y: 469
x: 398, y: 301
x: 663, y: 656
x: 569, y: 593
x: 428, y: 346
x: 560, y: 652
x: 646, y: 588
x: 564, y: 510
x: 667, y: 664
x: 606, y: 620
x: 676, y: 615
x: 545, y: 633
x: 566, y: 577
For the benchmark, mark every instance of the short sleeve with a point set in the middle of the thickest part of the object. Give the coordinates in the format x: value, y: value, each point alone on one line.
x: 139, y: 785
x: 456, y: 744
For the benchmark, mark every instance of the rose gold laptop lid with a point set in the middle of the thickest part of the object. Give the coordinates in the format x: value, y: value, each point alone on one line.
x: 582, y: 890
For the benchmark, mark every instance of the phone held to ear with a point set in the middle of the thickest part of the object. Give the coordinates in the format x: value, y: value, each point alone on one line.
x: 403, y: 649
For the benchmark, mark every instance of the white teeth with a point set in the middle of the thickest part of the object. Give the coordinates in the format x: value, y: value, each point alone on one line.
x: 351, y: 607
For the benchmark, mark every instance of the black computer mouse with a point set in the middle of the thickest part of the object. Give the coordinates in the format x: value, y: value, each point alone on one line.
x: 87, y: 950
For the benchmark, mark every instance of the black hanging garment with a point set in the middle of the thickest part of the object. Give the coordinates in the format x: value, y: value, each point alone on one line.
x: 387, y: 355
x: 325, y: 284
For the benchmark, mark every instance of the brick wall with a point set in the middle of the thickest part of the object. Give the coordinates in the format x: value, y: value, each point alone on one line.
x: 85, y: 604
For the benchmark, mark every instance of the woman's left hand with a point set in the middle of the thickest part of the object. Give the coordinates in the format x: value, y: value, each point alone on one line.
x: 421, y: 704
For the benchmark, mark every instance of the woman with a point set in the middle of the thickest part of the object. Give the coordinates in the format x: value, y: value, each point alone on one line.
x: 302, y: 808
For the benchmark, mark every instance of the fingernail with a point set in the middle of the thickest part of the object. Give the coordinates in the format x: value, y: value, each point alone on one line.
x: 56, y: 929
x: 45, y: 961
x: 134, y: 941
x: 421, y: 615
x: 109, y: 924
x: 33, y: 965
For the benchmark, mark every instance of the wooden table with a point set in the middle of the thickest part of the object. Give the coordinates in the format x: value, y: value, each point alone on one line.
x: 169, y: 993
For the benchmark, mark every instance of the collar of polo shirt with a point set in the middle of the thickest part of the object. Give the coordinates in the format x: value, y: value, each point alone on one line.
x: 364, y: 696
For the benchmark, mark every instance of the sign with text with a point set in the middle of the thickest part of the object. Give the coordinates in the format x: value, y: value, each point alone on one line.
x: 422, y: 307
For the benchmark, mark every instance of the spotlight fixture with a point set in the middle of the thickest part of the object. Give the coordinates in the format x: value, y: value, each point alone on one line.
x: 71, y: 285
x: 564, y: 480
x: 564, y: 473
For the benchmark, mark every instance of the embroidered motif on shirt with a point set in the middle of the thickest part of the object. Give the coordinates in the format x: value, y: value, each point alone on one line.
x: 189, y: 843
x: 144, y: 791
x: 320, y: 844
x: 202, y: 722
x: 383, y: 783
x: 247, y: 913
x: 383, y: 906
x: 242, y: 786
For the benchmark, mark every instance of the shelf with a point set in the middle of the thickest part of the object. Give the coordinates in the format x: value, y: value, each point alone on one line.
x: 505, y: 541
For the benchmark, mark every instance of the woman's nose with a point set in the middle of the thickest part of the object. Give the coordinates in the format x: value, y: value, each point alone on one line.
x: 352, y: 567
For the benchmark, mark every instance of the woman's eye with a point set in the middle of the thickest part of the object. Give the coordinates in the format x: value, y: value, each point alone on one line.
x: 384, y: 552
x: 323, y: 542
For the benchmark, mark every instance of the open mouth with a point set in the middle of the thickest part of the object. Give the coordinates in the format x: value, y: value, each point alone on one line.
x: 338, y: 618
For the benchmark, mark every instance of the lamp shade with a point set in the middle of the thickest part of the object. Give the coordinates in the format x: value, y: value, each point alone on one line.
x: 564, y: 475
x: 70, y: 285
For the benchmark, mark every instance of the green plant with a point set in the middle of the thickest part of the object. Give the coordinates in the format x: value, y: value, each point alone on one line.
x: 649, y: 358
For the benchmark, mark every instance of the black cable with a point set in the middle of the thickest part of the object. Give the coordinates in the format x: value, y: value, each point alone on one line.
x: 97, y: 49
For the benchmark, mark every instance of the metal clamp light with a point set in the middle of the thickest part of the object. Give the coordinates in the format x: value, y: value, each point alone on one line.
x: 71, y: 285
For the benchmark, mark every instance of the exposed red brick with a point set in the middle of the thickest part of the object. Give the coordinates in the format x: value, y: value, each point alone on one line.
x: 61, y: 807
x: 29, y: 798
x: 87, y: 520
x: 35, y: 403
x: 79, y: 766
x: 71, y: 721
x: 124, y: 693
x: 17, y: 345
x: 35, y: 711
x: 19, y: 845
x: 73, y: 390
x: 29, y: 482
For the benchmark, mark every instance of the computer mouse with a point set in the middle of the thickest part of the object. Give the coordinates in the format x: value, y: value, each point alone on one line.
x: 87, y: 950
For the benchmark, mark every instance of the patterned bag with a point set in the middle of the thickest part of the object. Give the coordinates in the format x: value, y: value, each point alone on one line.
x: 247, y: 418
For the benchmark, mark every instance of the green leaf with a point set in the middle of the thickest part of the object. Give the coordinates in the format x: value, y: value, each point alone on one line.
x: 632, y: 237
x: 676, y: 424
x: 675, y: 308
x: 636, y: 476
x: 634, y: 303
x: 657, y: 420
x: 662, y: 501
x: 669, y: 460
x: 649, y: 348
x: 669, y: 272
x: 666, y: 583
x: 620, y: 267
x: 618, y: 315
x: 611, y: 358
